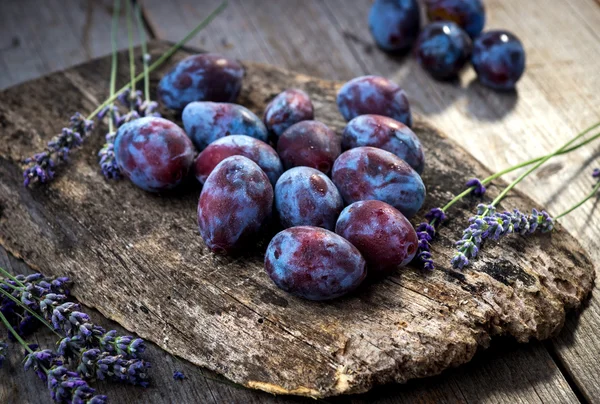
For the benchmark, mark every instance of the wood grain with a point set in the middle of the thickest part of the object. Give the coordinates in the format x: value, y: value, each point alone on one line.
x: 39, y: 37
x: 556, y: 98
x: 151, y: 272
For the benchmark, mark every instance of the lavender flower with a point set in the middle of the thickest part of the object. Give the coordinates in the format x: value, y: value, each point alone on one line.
x: 102, y: 365
x: 596, y: 173
x: 3, y: 350
x: 177, y: 375
x: 69, y: 387
x: 436, y: 214
x: 479, y: 187
x: 41, y: 166
x: 40, y: 361
x: 491, y: 224
x: 425, y: 234
x: 108, y: 162
x: 128, y: 346
x: 68, y: 319
x: 70, y: 347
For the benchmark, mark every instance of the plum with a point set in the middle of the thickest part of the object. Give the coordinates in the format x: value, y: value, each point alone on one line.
x: 394, y: 24
x: 206, y: 121
x: 443, y: 49
x: 307, y: 197
x: 310, y: 144
x: 235, y: 203
x: 367, y: 173
x: 238, y: 145
x: 314, y: 263
x: 498, y: 59
x: 154, y: 153
x: 382, y: 234
x: 468, y: 14
x: 373, y: 95
x: 287, y: 108
x: 204, y: 77
x: 387, y: 134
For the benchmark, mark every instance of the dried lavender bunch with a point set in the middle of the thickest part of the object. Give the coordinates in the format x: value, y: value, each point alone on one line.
x: 490, y: 224
x: 41, y: 166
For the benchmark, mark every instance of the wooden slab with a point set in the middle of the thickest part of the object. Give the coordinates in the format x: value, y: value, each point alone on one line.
x: 138, y: 258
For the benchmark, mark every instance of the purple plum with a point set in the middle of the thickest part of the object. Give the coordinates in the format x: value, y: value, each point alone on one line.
x: 238, y: 145
x: 310, y: 144
x: 287, y: 108
x: 382, y: 234
x: 235, y: 202
x: 468, y: 14
x: 366, y: 173
x: 387, y: 134
x: 204, y: 77
x: 154, y: 153
x: 498, y: 59
x: 314, y: 263
x: 207, y: 121
x: 443, y: 49
x: 373, y: 95
x: 395, y: 24
x: 307, y: 197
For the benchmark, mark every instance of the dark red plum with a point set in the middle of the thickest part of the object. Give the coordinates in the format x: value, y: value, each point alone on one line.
x: 314, y: 263
x: 443, y: 49
x: 207, y: 121
x: 307, y: 197
x: 366, y: 173
x: 287, y: 108
x: 382, y: 234
x: 238, y: 145
x: 310, y: 144
x: 499, y: 59
x: 387, y: 134
x: 205, y: 77
x: 235, y: 203
x: 373, y: 95
x: 154, y: 153
x: 468, y: 14
x: 394, y: 24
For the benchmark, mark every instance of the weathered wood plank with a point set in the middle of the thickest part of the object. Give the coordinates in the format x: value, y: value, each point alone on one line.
x: 153, y: 274
x: 39, y: 37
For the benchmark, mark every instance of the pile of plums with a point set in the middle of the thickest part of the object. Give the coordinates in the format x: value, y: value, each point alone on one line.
x: 452, y: 38
x: 343, y: 201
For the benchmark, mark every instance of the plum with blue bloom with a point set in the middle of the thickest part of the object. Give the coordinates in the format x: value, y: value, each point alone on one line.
x: 387, y: 134
x: 373, y: 95
x: 238, y: 145
x: 287, y: 108
x: 154, y: 153
x: 366, y: 173
x: 468, y: 14
x: 382, y: 234
x: 235, y: 203
x: 395, y: 24
x: 314, y: 263
x: 206, y: 121
x: 307, y: 197
x: 443, y: 49
x: 499, y: 59
x: 311, y: 144
x: 204, y: 77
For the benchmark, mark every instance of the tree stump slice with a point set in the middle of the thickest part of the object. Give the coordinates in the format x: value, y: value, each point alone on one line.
x: 138, y: 258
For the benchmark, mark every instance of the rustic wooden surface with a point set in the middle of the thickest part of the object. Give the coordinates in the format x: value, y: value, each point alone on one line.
x: 556, y: 102
x: 151, y: 272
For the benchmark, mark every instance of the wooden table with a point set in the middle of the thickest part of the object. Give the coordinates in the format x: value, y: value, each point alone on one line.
x: 557, y: 97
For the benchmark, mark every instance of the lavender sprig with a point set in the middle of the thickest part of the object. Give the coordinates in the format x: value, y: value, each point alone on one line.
x: 488, y: 223
x: 41, y: 166
x: 101, y: 365
x: 68, y: 387
x: 177, y: 375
